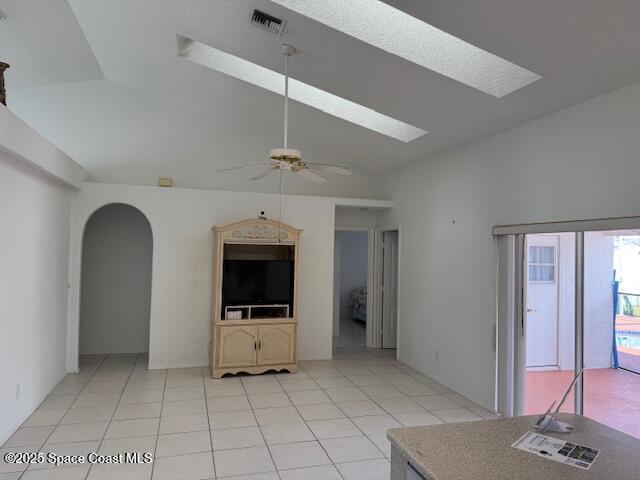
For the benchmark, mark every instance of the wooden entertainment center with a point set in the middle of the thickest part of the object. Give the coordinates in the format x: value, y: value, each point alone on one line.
x: 254, y: 308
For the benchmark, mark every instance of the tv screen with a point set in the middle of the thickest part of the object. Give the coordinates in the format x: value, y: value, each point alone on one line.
x: 257, y: 282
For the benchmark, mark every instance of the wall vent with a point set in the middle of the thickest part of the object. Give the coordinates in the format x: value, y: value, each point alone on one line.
x: 269, y: 23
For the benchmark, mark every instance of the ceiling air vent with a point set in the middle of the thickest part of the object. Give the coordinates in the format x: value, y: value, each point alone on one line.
x: 266, y: 21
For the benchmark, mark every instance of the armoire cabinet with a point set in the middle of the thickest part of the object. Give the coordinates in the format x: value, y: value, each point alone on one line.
x: 254, y: 308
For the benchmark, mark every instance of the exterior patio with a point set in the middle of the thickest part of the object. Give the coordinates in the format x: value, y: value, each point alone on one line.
x: 611, y: 396
x: 628, y: 342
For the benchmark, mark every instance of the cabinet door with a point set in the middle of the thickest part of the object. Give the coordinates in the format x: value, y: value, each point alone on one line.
x: 238, y: 346
x: 276, y: 344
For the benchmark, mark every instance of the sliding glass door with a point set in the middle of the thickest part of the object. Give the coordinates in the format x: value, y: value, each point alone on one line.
x: 612, y: 329
x: 569, y: 299
x: 549, y: 319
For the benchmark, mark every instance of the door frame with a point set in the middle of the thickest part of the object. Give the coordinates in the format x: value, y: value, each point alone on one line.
x: 370, y: 276
x: 75, y: 288
x: 377, y: 323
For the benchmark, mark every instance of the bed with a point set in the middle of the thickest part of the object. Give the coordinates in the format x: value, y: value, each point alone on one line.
x: 358, y: 304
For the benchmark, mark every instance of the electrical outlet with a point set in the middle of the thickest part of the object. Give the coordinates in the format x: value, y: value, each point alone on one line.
x: 17, y: 390
x: 437, y: 355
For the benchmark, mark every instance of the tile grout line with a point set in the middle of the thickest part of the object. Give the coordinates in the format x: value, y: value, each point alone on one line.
x: 266, y: 445
x: 307, y: 425
x: 206, y: 410
x: 69, y: 408
x: 114, y: 410
x: 155, y: 448
x: 348, y: 356
x: 350, y: 418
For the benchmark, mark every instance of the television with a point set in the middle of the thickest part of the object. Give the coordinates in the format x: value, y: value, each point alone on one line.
x: 257, y: 282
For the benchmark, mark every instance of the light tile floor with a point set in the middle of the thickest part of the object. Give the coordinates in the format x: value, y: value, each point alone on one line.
x: 352, y: 333
x: 326, y: 422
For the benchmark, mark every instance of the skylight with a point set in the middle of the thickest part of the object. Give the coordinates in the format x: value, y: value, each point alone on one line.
x: 233, y: 66
x: 396, y: 32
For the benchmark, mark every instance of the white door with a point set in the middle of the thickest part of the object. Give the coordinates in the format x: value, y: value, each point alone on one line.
x: 389, y: 289
x: 542, y: 301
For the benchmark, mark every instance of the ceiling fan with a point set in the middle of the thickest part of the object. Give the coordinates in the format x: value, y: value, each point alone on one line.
x: 290, y: 159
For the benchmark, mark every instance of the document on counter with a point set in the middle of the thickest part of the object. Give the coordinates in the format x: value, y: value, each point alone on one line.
x: 558, y: 450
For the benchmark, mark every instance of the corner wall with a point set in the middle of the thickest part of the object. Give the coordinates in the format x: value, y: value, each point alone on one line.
x: 36, y: 184
x: 579, y: 163
x: 34, y: 249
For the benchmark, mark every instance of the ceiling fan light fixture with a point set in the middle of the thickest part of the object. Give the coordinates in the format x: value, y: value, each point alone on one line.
x: 289, y: 159
x: 285, y: 155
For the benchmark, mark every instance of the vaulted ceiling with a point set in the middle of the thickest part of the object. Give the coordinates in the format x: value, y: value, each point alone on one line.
x: 102, y: 80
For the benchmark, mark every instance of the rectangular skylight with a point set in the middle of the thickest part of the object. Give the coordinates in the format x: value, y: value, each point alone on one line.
x: 231, y: 65
x: 396, y: 32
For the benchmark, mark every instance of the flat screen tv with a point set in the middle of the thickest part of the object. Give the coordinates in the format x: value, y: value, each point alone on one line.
x: 257, y: 282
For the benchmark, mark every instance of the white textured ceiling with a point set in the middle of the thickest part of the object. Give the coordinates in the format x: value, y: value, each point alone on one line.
x: 581, y: 48
x: 124, y: 136
x: 44, y: 44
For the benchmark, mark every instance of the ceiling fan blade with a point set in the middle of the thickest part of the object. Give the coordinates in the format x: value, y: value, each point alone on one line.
x: 244, y: 167
x: 265, y: 173
x: 326, y: 167
x: 313, y: 176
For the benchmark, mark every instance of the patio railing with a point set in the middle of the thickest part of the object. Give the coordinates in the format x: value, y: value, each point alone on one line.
x: 629, y: 304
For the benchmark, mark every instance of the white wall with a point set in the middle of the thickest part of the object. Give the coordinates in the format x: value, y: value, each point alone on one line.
x: 34, y: 248
x: 581, y: 162
x: 23, y: 143
x: 337, y: 265
x: 350, y: 217
x: 354, y: 258
x: 116, y: 281
x: 181, y: 222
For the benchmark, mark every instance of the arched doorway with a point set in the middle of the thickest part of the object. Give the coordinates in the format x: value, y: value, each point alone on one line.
x: 115, y: 290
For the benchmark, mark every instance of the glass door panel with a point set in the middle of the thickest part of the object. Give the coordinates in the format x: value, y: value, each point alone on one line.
x: 549, y: 319
x: 612, y: 329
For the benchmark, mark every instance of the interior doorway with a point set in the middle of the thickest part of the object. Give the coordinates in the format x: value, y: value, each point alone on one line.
x: 115, y: 291
x: 352, y: 305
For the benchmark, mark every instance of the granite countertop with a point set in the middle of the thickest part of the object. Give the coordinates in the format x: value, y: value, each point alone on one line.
x: 482, y: 450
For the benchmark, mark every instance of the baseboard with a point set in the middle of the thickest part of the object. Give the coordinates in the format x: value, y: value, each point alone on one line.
x: 160, y: 366
x: 33, y: 408
x: 473, y: 398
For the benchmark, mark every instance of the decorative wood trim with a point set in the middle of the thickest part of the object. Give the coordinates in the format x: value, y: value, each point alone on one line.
x: 257, y: 321
x: 291, y: 368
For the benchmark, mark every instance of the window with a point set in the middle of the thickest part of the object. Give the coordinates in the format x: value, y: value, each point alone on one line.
x: 542, y: 263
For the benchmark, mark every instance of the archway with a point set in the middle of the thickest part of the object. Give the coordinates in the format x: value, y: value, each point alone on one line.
x: 115, y: 290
